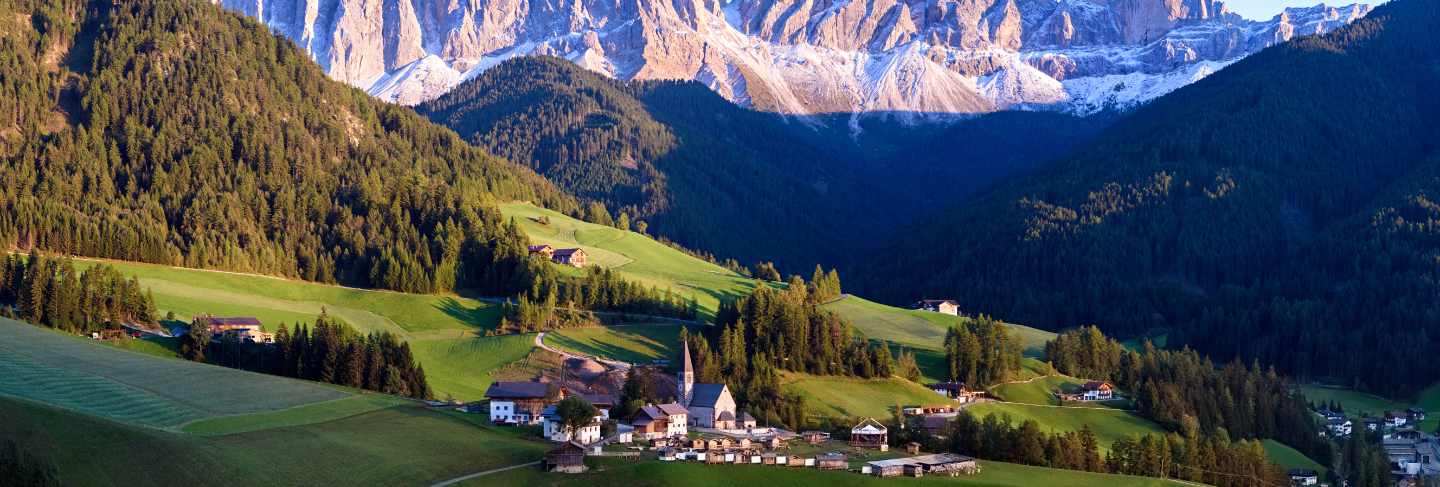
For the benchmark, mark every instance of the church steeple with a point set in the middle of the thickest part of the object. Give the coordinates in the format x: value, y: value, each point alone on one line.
x: 685, y: 379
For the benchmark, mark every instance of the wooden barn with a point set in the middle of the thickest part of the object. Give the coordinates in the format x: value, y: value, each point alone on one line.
x: 832, y: 461
x: 569, y: 457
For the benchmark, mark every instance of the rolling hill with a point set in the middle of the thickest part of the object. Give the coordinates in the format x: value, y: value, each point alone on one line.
x: 1270, y: 212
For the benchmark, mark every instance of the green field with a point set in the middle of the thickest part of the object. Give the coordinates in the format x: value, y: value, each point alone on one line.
x: 919, y: 329
x: 639, y: 344
x: 444, y: 331
x: 192, y: 292
x: 400, y: 445
x: 1107, y: 424
x: 1038, y: 391
x: 1289, y: 458
x: 613, y: 473
x: 78, y: 374
x: 156, y: 346
x: 461, y: 367
x: 851, y: 397
x: 635, y: 256
x: 296, y: 416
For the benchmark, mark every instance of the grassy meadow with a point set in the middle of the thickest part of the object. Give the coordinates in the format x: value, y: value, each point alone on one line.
x: 445, y: 332
x: 1107, y: 424
x: 397, y: 445
x: 919, y: 329
x: 612, y: 473
x: 853, y: 397
x: 78, y: 374
x: 1358, y: 404
x: 635, y: 256
x: 1289, y: 458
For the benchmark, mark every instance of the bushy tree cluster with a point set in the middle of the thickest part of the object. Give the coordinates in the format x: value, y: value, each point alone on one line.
x: 794, y: 333
x: 1210, y: 459
x: 981, y: 352
x: 330, y: 351
x: 1179, y: 387
x: 52, y: 292
x: 996, y: 437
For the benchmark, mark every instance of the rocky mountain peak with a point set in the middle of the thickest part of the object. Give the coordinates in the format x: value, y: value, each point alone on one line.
x: 802, y: 56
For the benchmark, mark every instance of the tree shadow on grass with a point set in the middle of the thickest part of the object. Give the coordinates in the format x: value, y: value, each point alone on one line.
x: 484, y: 317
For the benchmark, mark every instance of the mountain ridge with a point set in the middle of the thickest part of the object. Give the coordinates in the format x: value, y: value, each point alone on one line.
x: 832, y: 56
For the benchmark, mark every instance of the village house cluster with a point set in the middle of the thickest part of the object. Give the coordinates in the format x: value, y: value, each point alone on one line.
x: 704, y: 425
x: 1412, y: 454
x: 570, y: 257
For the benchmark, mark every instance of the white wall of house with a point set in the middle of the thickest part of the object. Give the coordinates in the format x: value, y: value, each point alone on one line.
x: 677, y: 426
x: 502, y: 411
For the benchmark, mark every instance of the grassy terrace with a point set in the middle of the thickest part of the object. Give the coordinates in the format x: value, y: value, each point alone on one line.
x: 656, y: 473
x: 635, y: 256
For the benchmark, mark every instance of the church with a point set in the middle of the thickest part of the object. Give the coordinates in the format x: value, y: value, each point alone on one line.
x: 710, y: 405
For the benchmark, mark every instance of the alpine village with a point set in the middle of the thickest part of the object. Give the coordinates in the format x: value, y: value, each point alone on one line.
x: 840, y: 243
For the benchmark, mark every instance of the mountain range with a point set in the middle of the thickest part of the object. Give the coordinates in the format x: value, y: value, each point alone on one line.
x: 1283, y: 210
x: 913, y: 57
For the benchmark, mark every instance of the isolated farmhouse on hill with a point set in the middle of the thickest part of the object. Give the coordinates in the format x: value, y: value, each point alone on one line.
x: 245, y: 328
x: 572, y: 257
x: 944, y: 306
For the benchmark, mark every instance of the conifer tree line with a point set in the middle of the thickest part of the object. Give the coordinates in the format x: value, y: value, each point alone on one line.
x: 1188, y: 455
x: 1179, y: 387
x: 758, y: 336
x: 239, y: 154
x: 328, y: 351
x: 981, y: 352
x: 54, y: 293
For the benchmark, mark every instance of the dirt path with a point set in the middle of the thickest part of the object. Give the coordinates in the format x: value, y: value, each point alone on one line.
x: 457, y: 480
x: 540, y: 343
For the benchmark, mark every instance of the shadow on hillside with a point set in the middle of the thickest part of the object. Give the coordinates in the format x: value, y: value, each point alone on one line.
x: 482, y: 317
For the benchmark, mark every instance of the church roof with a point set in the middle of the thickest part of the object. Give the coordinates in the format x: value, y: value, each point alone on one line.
x: 706, y: 395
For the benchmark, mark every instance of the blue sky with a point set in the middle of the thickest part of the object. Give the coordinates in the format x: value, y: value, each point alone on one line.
x: 1265, y: 9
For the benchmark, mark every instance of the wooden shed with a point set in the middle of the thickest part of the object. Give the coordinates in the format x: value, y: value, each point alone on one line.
x: 569, y: 457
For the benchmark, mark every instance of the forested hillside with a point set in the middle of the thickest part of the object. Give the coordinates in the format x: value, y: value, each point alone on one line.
x: 710, y: 175
x: 172, y: 131
x: 1282, y: 209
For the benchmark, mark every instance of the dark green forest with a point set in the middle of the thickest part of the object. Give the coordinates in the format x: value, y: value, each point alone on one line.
x: 710, y: 175
x: 1280, y: 210
x: 174, y: 132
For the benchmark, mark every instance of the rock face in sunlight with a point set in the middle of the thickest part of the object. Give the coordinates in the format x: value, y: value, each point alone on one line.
x: 803, y: 56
